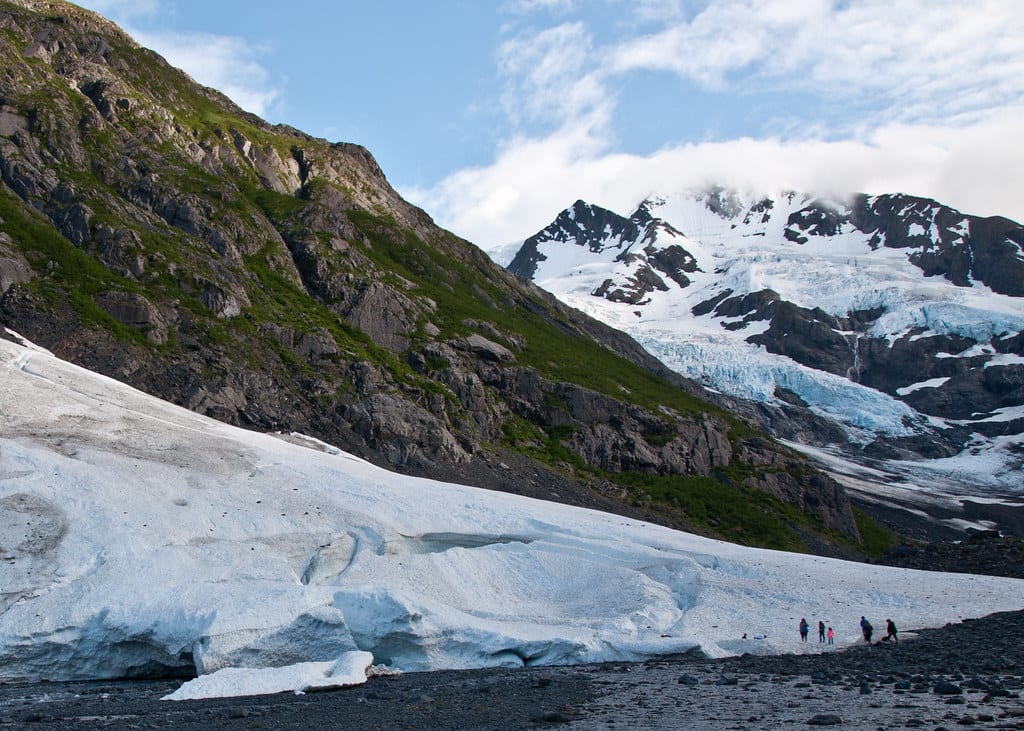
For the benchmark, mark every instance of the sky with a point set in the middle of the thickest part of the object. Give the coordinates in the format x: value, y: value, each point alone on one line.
x: 495, y: 116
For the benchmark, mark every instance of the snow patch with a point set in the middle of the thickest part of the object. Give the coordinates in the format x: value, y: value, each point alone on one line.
x: 349, y: 669
x: 930, y: 383
x: 1005, y: 359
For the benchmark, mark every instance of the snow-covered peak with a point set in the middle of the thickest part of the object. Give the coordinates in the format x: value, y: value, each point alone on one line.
x: 837, y: 305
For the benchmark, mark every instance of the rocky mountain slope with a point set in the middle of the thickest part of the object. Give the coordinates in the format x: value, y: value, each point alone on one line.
x: 888, y: 330
x: 152, y: 231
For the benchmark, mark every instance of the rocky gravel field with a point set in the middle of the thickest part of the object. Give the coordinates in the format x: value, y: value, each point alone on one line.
x: 968, y: 674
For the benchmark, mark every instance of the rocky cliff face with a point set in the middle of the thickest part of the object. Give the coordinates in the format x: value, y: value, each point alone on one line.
x: 152, y: 231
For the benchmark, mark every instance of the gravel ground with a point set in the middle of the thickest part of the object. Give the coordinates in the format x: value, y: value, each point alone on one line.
x: 982, y: 553
x: 969, y: 674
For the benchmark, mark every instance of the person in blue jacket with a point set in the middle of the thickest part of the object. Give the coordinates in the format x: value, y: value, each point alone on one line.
x: 866, y: 629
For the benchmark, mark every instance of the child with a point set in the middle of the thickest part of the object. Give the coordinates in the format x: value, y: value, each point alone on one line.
x: 831, y: 636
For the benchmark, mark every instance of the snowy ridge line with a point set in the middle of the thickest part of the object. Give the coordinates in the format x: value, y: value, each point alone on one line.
x: 203, y: 566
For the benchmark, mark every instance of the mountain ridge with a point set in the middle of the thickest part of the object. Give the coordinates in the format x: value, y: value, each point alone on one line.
x: 154, y: 232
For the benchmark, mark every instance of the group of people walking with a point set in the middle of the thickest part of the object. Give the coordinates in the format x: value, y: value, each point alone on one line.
x: 867, y: 630
x: 823, y: 633
x: 829, y: 635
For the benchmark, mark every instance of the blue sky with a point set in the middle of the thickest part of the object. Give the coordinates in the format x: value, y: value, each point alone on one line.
x: 496, y: 115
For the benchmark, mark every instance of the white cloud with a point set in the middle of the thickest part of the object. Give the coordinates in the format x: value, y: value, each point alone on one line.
x: 547, y: 76
x: 527, y: 7
x: 977, y: 169
x: 935, y: 92
x: 725, y: 37
x: 916, y: 60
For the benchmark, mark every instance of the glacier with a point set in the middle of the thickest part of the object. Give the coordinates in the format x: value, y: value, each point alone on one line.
x: 140, y: 539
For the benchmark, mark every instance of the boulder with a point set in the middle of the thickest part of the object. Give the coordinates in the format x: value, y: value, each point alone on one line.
x: 137, y: 312
x: 488, y: 349
x: 14, y: 268
x: 383, y: 313
x: 12, y: 123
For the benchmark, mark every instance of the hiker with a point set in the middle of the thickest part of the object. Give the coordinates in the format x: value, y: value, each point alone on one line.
x: 890, y: 630
x: 804, y: 629
x: 831, y: 636
x: 821, y: 631
x: 867, y: 629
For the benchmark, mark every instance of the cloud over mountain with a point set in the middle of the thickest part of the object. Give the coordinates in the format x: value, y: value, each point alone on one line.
x: 875, y: 96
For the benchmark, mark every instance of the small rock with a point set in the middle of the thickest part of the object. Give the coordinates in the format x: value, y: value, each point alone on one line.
x: 944, y: 687
x: 687, y: 680
x: 554, y: 717
x: 825, y: 719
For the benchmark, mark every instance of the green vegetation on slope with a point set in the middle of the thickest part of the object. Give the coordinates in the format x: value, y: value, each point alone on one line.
x: 71, y: 274
x: 875, y: 538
